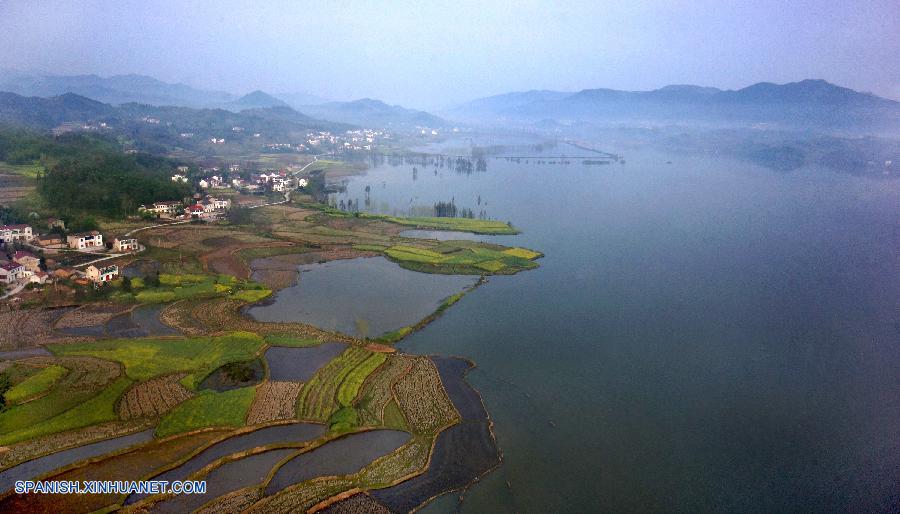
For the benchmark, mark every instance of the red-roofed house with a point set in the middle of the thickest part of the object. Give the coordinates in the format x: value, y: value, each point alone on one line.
x: 28, y: 259
x: 11, y: 272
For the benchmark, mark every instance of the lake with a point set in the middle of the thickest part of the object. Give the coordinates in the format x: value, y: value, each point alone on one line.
x: 701, y: 335
x: 363, y: 297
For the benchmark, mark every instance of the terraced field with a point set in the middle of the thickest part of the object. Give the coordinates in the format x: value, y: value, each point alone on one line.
x: 319, y: 397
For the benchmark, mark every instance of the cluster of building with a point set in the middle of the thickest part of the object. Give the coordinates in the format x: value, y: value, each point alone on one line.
x: 25, y: 267
x: 205, y: 207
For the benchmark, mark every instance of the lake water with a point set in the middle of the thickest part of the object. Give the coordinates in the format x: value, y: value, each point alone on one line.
x: 361, y: 297
x: 701, y: 335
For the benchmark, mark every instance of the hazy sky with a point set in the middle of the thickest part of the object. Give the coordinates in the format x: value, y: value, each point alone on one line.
x: 432, y: 54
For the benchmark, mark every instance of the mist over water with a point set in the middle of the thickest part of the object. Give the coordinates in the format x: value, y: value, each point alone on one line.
x: 701, y: 335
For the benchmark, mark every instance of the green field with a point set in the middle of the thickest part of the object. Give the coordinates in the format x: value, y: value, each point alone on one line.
x: 25, y: 170
x: 35, y: 384
x: 93, y: 410
x: 349, y: 388
x: 463, y: 258
x: 147, y: 358
x: 208, y: 409
x: 475, y: 226
x: 319, y: 397
x: 78, y: 385
x: 190, y: 286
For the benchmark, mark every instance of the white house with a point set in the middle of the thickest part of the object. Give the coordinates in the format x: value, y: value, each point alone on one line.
x: 168, y: 207
x: 204, y: 184
x: 39, y: 277
x: 125, y: 245
x: 11, y: 272
x: 179, y: 178
x: 101, y: 275
x: 10, y: 233
x: 219, y: 203
x: 92, y: 239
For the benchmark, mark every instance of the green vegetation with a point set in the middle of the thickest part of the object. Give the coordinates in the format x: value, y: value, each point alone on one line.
x: 95, y: 410
x: 396, y: 335
x: 173, y: 287
x: 35, y: 384
x: 474, y: 226
x: 147, y: 358
x: 85, y: 379
x: 343, y: 420
x: 349, y: 388
x: 208, y: 409
x: 463, y: 258
x: 318, y: 398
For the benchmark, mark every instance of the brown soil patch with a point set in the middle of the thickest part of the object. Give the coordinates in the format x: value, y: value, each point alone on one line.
x: 224, y: 261
x: 153, y: 397
x: 274, y: 401
x: 90, y: 315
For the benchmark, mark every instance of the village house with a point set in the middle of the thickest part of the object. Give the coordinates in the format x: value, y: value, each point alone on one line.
x: 101, y: 275
x: 11, y: 272
x: 11, y: 233
x: 167, y: 207
x: 203, y: 183
x: 28, y: 259
x: 125, y: 245
x: 179, y: 178
x: 196, y: 210
x: 218, y: 203
x: 50, y: 240
x: 39, y: 277
x: 80, y: 241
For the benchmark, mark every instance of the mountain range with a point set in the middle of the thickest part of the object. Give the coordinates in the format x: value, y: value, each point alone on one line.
x: 807, y: 104
x: 372, y: 113
x: 140, y: 89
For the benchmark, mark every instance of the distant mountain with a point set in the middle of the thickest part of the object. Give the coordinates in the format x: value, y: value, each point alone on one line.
x: 808, y: 104
x: 45, y: 113
x: 297, y: 100
x: 254, y: 100
x: 160, y: 129
x: 117, y: 89
x: 499, y: 103
x: 373, y: 113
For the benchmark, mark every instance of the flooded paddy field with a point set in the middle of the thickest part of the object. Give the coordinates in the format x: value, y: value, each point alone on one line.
x: 299, y: 364
x: 360, y: 297
x: 34, y: 468
x: 226, y: 478
x: 339, y: 457
x: 292, y: 433
x: 461, y: 454
x: 141, y: 321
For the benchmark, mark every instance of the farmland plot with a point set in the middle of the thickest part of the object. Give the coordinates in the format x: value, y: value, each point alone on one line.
x: 153, y: 397
x: 274, y: 401
x: 423, y: 400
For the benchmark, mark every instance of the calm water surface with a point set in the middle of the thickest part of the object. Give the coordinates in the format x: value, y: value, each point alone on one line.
x: 362, y: 297
x: 701, y: 335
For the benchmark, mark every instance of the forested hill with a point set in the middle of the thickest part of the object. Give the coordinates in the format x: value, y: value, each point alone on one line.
x: 160, y: 129
x: 90, y: 175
